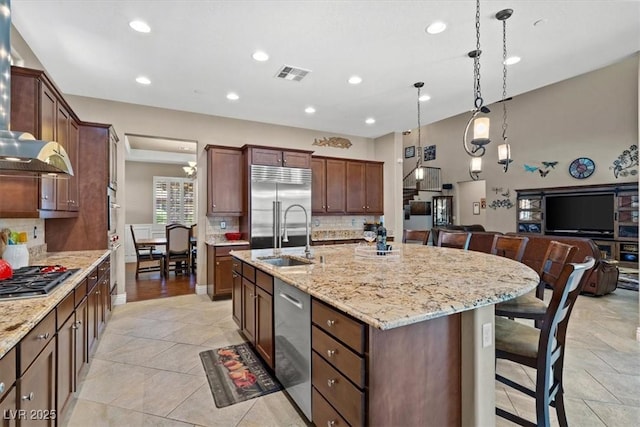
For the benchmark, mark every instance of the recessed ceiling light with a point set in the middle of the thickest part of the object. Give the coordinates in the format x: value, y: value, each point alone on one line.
x: 370, y: 121
x: 309, y: 110
x: 512, y: 60
x: 424, y: 98
x: 140, y: 26
x: 355, y: 80
x: 436, y: 27
x: 260, y: 56
x: 232, y: 96
x: 143, y: 80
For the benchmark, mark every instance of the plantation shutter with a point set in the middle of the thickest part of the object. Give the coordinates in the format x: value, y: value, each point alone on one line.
x: 173, y: 200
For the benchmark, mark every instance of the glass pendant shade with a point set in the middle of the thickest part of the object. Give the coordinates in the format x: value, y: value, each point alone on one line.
x: 504, y: 153
x: 476, y: 165
x: 480, y: 131
x: 419, y: 173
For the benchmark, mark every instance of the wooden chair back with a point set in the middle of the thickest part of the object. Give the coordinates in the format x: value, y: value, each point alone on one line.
x: 511, y: 247
x: 415, y: 236
x: 454, y: 239
x: 556, y: 256
x: 147, y: 259
x: 178, y: 238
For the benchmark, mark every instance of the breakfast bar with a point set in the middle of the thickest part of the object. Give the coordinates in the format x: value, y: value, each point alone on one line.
x: 427, y: 316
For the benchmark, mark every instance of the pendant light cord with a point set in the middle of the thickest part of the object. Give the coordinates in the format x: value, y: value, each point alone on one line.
x: 504, y: 81
x: 477, y: 92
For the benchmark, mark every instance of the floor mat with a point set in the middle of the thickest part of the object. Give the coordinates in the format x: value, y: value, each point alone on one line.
x: 236, y: 374
x: 628, y: 281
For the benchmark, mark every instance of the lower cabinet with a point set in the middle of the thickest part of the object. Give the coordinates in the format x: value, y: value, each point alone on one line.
x: 66, y: 362
x: 219, y: 270
x: 37, y: 390
x: 253, y: 309
x: 8, y: 408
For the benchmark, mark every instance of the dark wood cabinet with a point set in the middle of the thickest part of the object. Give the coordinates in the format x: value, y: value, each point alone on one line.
x: 264, y: 326
x: 365, y: 188
x: 276, y: 157
x: 220, y: 270
x: 236, y: 292
x: 66, y: 362
x: 249, y: 310
x: 37, y: 389
x: 8, y: 406
x: 224, y: 181
x: 329, y: 184
x: 8, y: 391
x: 81, y: 343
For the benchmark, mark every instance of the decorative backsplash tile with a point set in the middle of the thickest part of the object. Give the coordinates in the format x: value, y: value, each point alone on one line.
x: 33, y: 227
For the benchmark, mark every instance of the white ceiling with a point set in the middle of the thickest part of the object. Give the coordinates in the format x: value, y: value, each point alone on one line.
x: 198, y: 51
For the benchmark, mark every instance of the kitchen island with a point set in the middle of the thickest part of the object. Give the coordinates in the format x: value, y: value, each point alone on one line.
x: 423, y: 315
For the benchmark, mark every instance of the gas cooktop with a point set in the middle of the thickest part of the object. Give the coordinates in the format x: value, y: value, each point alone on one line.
x: 34, y: 281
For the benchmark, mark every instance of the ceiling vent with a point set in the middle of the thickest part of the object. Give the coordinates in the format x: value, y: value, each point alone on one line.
x: 287, y: 72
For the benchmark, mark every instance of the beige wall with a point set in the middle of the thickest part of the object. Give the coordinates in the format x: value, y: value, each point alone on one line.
x: 594, y: 115
x: 388, y: 149
x: 138, y: 206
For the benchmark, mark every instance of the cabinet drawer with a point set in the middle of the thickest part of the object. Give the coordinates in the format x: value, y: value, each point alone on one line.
x: 33, y: 343
x: 339, y: 392
x: 323, y: 413
x: 339, y: 356
x: 81, y: 290
x: 339, y: 325
x: 225, y: 250
x: 104, y: 267
x: 265, y: 281
x: 65, y: 308
x: 249, y: 272
x: 7, y: 372
x: 92, y: 279
x: 237, y: 266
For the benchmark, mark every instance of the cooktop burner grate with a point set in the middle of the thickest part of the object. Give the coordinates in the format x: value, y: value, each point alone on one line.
x: 34, y: 281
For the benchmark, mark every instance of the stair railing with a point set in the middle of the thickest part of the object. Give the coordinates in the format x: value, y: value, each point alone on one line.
x: 431, y: 182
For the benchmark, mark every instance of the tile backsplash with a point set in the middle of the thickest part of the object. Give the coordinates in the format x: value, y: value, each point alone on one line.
x: 34, y: 227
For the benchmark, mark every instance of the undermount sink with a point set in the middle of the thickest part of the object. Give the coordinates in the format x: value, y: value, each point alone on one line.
x: 284, y: 261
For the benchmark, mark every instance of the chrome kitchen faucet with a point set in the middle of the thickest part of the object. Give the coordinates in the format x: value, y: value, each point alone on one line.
x: 285, y: 238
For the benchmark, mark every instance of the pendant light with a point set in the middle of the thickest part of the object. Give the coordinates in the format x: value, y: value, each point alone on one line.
x: 481, y: 124
x: 419, y: 168
x: 504, y: 149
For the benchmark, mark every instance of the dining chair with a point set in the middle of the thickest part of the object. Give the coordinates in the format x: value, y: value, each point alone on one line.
x: 177, y: 256
x: 511, y: 247
x: 531, y: 305
x: 147, y: 258
x: 193, y: 236
x: 415, y: 236
x: 541, y: 349
x: 454, y: 239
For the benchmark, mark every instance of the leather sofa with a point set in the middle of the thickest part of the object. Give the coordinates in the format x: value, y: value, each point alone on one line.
x: 599, y: 280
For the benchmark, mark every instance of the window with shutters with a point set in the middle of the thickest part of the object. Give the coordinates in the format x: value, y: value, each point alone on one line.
x: 173, y: 200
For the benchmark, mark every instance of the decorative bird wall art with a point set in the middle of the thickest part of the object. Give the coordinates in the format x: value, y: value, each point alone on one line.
x: 531, y: 169
x: 543, y: 169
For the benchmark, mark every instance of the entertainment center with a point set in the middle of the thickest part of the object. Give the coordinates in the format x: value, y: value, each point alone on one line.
x: 607, y: 214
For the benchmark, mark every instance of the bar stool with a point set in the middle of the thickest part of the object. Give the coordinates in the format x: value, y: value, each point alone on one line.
x: 511, y: 247
x: 415, y: 236
x: 454, y: 239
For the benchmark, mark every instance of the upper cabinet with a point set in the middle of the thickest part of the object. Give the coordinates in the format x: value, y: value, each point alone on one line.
x: 276, y: 157
x: 225, y: 181
x: 329, y: 184
x: 365, y: 188
x: 38, y: 108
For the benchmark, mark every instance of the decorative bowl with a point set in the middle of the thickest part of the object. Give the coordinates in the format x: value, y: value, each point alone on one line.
x: 232, y: 236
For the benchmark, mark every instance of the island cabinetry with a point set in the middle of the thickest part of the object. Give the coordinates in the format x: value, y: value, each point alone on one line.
x: 338, y: 366
x: 224, y: 181
x: 275, y: 157
x: 220, y: 270
x: 7, y: 387
x: 365, y: 188
x: 36, y: 386
x: 236, y: 291
x: 253, y: 306
x: 363, y: 375
x: 66, y: 321
x: 329, y: 184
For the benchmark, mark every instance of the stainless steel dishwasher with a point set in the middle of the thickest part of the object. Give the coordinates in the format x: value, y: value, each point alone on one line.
x: 292, y: 313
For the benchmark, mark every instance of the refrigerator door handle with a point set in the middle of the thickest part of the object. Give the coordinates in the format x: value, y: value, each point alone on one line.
x: 277, y: 242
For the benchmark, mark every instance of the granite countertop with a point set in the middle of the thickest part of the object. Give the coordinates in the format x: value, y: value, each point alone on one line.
x: 423, y: 282
x: 18, y: 317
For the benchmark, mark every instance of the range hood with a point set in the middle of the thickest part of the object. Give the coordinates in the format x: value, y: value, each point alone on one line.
x: 20, y: 152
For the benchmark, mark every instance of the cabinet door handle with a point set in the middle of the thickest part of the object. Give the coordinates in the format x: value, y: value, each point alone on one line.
x: 328, y: 207
x: 217, y: 262
x: 78, y: 322
x: 330, y: 383
x: 331, y: 423
x: 330, y: 322
x: 323, y: 206
x: 45, y: 197
x: 28, y: 396
x: 331, y: 353
x: 213, y: 205
x: 74, y: 326
x: 234, y: 275
x: 363, y: 207
x: 43, y: 336
x: 1, y: 387
x: 367, y: 207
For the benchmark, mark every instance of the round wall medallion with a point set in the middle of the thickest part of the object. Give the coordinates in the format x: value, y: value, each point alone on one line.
x: 582, y: 168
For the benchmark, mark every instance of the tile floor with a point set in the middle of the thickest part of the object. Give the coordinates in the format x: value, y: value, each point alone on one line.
x: 146, y: 370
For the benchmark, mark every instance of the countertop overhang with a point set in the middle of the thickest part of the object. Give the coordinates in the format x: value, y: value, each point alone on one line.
x: 425, y: 282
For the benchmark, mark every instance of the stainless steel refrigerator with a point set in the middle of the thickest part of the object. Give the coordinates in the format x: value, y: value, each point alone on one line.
x: 273, y: 190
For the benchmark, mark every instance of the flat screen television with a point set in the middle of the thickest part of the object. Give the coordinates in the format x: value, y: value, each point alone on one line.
x: 579, y: 213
